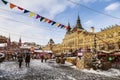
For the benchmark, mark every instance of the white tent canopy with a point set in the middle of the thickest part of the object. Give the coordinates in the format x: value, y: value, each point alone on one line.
x: 47, y: 51
x: 3, y: 44
x: 38, y: 50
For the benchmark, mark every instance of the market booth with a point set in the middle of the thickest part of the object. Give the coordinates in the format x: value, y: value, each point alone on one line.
x: 38, y: 53
x: 112, y: 57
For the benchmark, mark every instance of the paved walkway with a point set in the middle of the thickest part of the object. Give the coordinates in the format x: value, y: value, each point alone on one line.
x: 47, y: 71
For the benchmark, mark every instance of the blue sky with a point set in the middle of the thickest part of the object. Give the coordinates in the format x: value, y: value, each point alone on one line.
x: 15, y: 23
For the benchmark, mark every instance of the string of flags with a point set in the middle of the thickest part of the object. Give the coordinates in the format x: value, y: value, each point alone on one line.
x: 37, y: 16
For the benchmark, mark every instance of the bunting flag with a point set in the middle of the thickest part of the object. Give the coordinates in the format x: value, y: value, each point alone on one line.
x: 59, y: 25
x: 46, y: 20
x: 12, y: 6
x: 62, y: 26
x: 32, y: 14
x: 5, y: 2
x: 66, y: 27
x: 26, y: 11
x: 20, y: 8
x: 50, y: 21
x: 56, y: 24
x: 41, y: 18
x: 38, y: 16
x: 53, y: 23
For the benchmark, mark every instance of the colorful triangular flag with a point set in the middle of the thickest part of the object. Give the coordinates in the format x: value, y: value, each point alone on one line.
x: 5, y: 2
x: 32, y: 14
x: 12, y: 6
x: 53, y: 23
x: 26, y: 11
x: 46, y: 20
x: 56, y: 24
x: 50, y: 21
x: 38, y: 16
x: 66, y: 27
x: 62, y: 26
x: 59, y: 25
x: 42, y: 18
x: 20, y: 8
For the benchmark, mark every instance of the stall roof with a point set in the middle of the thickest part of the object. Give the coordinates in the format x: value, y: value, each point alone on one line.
x: 38, y: 50
x: 3, y: 44
x: 109, y: 52
x: 48, y: 51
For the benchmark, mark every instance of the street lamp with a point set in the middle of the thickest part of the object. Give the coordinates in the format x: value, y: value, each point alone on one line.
x: 51, y: 42
x: 95, y: 43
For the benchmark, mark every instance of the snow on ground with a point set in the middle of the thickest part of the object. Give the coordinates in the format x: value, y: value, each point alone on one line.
x: 11, y: 68
x: 12, y: 71
x: 110, y: 72
x: 70, y: 64
x: 37, y: 64
x: 53, y: 71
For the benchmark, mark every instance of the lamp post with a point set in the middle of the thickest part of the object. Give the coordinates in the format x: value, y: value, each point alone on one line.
x: 95, y: 43
x: 51, y: 43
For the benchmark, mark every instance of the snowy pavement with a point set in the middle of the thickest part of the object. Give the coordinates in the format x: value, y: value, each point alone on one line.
x: 53, y: 71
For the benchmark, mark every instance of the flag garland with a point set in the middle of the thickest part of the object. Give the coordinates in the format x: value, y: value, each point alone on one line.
x: 12, y: 6
x: 5, y: 2
x: 37, y: 16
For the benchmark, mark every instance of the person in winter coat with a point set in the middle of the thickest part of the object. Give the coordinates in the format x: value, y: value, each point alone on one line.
x: 42, y: 57
x: 20, y: 59
x: 27, y: 59
x: 46, y: 58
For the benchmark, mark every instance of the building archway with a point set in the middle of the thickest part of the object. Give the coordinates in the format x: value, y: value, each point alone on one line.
x: 119, y: 45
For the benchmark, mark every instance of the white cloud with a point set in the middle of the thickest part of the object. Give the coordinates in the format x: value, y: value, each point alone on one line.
x: 113, y: 6
x: 88, y: 1
x: 88, y: 23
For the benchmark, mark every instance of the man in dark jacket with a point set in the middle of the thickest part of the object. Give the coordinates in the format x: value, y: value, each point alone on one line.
x: 27, y: 59
x: 42, y: 57
x: 20, y: 59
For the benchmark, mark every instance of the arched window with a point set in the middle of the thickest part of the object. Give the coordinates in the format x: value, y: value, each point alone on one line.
x: 119, y: 44
x: 111, y: 46
x: 118, y: 33
x: 102, y: 47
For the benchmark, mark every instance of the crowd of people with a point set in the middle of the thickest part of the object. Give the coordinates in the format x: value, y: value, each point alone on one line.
x: 26, y: 57
x: 21, y: 57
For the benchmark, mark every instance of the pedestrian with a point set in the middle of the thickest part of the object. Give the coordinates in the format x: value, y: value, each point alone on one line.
x: 15, y: 55
x: 116, y: 61
x: 20, y: 59
x: 27, y: 60
x: 46, y: 58
x: 42, y: 57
